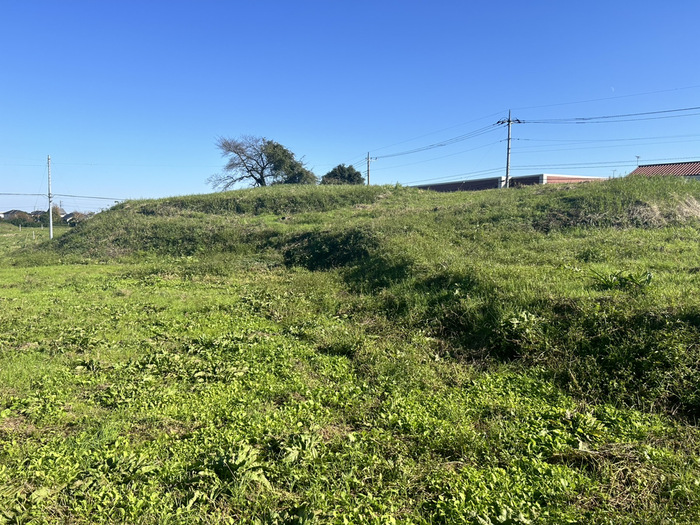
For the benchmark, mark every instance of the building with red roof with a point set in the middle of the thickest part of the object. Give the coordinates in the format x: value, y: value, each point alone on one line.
x: 675, y: 169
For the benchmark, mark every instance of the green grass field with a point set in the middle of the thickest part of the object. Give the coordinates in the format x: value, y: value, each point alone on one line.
x: 357, y: 355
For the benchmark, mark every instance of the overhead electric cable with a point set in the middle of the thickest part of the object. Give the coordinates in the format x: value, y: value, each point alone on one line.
x: 453, y: 140
x: 535, y: 150
x: 461, y: 176
x: 586, y: 141
x: 608, y: 98
x: 625, y: 162
x: 431, y: 159
x: 436, y: 131
x: 606, y: 118
x: 89, y: 197
x: 26, y: 194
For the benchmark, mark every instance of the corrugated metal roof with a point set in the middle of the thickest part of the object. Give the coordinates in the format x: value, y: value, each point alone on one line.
x: 678, y: 169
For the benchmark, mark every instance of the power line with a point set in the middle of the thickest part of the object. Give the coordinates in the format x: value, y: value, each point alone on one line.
x: 362, y: 159
x: 583, y: 165
x: 26, y: 194
x: 602, y: 164
x: 453, y: 140
x: 648, y: 115
x: 609, y: 98
x: 431, y: 159
x: 89, y: 197
x: 358, y: 162
x: 543, y: 149
x: 63, y: 195
x: 608, y: 118
x: 588, y: 141
x: 434, y: 132
x: 462, y: 176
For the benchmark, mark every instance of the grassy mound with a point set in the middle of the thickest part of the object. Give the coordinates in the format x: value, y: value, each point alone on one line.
x: 272, y: 200
x: 238, y: 222
x: 247, y: 220
x: 538, y: 275
x: 361, y: 355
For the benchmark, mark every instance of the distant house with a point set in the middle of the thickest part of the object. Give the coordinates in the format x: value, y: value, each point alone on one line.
x: 500, y: 182
x: 675, y: 169
x: 74, y: 218
x: 13, y: 214
x: 56, y: 210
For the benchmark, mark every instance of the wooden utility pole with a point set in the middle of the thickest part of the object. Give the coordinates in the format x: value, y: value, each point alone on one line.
x: 48, y: 164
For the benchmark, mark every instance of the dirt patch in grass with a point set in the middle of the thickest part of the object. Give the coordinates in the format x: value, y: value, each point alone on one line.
x: 16, y: 425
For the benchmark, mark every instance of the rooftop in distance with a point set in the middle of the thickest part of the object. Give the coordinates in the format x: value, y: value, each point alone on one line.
x: 500, y: 182
x: 676, y: 169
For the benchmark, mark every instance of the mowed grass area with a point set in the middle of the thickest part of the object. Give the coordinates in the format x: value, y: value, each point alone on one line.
x: 358, y: 355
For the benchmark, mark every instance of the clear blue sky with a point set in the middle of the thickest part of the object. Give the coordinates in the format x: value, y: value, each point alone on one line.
x: 128, y: 97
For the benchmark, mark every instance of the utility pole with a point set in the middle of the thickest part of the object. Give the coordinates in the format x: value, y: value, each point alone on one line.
x: 48, y: 164
x: 510, y: 121
x: 368, y: 168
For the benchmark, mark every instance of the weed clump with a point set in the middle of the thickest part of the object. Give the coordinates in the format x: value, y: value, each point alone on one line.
x: 323, y: 250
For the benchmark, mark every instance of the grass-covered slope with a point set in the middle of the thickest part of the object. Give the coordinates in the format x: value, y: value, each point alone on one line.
x: 537, y: 275
x: 234, y: 221
x: 246, y: 219
x: 359, y: 355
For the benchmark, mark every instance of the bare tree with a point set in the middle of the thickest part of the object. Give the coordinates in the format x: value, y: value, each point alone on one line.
x: 259, y: 161
x: 247, y: 161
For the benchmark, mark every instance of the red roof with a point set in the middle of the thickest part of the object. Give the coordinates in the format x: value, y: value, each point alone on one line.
x: 680, y: 169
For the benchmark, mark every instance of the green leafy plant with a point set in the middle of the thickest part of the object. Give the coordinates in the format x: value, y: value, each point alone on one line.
x: 622, y: 280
